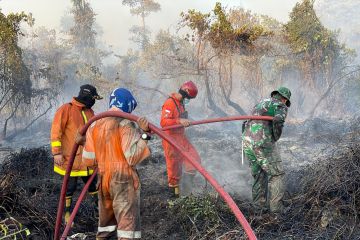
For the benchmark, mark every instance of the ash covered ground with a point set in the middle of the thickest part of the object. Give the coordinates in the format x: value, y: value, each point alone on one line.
x: 30, y: 189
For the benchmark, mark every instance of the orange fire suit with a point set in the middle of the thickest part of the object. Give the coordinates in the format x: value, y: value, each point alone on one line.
x: 115, y: 146
x: 172, y: 111
x: 69, y: 119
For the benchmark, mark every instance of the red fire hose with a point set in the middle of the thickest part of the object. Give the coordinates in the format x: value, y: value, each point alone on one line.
x: 223, y: 119
x: 77, y: 205
x: 164, y: 136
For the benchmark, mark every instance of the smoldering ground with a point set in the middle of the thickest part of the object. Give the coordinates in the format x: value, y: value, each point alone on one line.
x: 306, y: 158
x: 318, y: 148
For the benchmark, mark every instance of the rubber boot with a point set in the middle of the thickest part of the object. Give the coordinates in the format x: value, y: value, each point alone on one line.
x: 175, y: 192
x: 95, y: 202
x: 68, y: 201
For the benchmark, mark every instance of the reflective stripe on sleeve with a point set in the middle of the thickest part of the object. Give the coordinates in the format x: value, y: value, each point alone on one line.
x: 107, y: 228
x: 128, y: 234
x: 56, y: 144
x: 88, y: 155
x: 83, y: 173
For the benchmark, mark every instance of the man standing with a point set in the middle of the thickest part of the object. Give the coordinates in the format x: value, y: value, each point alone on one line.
x: 68, y: 121
x: 173, y: 112
x: 259, y: 139
x: 116, y: 146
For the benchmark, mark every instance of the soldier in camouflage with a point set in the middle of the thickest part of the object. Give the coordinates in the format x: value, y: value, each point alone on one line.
x: 259, y: 139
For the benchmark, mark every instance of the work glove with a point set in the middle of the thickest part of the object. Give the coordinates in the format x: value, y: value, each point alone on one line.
x: 243, y: 126
x: 80, y: 139
x: 265, y: 167
x: 278, y: 124
x: 143, y: 124
x: 185, y: 115
x: 58, y: 159
x: 184, y: 122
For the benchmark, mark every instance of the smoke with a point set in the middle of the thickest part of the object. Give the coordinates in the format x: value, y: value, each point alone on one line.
x: 342, y: 16
x: 218, y: 144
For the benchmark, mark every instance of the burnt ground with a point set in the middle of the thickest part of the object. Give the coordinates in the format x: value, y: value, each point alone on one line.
x: 321, y: 159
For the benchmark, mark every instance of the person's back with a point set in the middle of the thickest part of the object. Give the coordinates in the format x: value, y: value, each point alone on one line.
x: 112, y: 139
x: 115, y: 146
x: 261, y: 132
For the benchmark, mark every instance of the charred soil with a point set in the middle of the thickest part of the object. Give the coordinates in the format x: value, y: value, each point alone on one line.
x: 323, y: 205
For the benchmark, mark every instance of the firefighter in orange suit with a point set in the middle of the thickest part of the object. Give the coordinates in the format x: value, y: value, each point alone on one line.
x: 173, y: 112
x: 115, y: 146
x: 68, y: 121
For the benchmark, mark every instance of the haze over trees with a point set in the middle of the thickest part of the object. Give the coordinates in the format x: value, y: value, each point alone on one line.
x: 141, y: 8
x: 234, y: 55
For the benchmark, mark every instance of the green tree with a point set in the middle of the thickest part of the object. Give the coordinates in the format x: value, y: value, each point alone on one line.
x: 85, y: 55
x: 142, y: 8
x: 15, y: 84
x: 220, y: 37
x: 322, y: 60
x: 82, y: 33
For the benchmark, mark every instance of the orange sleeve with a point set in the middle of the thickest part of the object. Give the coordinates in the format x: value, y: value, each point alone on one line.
x: 134, y: 148
x: 58, y: 127
x: 91, y: 113
x: 168, y: 116
x: 88, y: 154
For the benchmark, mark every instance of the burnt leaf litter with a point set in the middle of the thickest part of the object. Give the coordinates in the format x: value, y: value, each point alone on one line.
x: 324, y: 205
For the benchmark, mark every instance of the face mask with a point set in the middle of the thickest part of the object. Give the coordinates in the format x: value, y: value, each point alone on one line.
x: 90, y: 103
x: 183, y: 93
x: 186, y: 101
x: 87, y: 100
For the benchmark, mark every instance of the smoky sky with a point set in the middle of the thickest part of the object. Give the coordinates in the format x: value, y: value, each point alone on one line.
x: 115, y: 19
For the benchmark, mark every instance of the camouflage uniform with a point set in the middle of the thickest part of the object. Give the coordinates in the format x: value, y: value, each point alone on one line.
x: 259, y: 139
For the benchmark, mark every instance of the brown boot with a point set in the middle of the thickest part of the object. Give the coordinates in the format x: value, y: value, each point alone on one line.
x: 175, y: 192
x: 68, y: 201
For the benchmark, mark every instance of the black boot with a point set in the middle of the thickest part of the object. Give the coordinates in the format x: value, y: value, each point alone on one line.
x: 95, y: 203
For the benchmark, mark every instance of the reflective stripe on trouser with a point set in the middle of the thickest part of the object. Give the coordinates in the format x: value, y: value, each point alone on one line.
x: 119, y: 209
x: 268, y: 187
x: 175, y: 160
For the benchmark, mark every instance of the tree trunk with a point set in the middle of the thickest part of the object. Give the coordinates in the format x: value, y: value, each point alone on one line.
x: 29, y: 125
x: 3, y: 135
x: 209, y: 96
x: 326, y: 93
x: 144, y: 43
x: 198, y: 55
x: 227, y: 94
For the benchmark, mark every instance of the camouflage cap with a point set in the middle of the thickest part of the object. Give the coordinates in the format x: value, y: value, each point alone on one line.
x: 285, y: 92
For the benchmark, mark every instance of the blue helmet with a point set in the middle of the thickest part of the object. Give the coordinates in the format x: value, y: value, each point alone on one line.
x: 122, y: 99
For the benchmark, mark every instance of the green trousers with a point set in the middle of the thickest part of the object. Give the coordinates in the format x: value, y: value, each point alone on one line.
x: 268, y: 187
